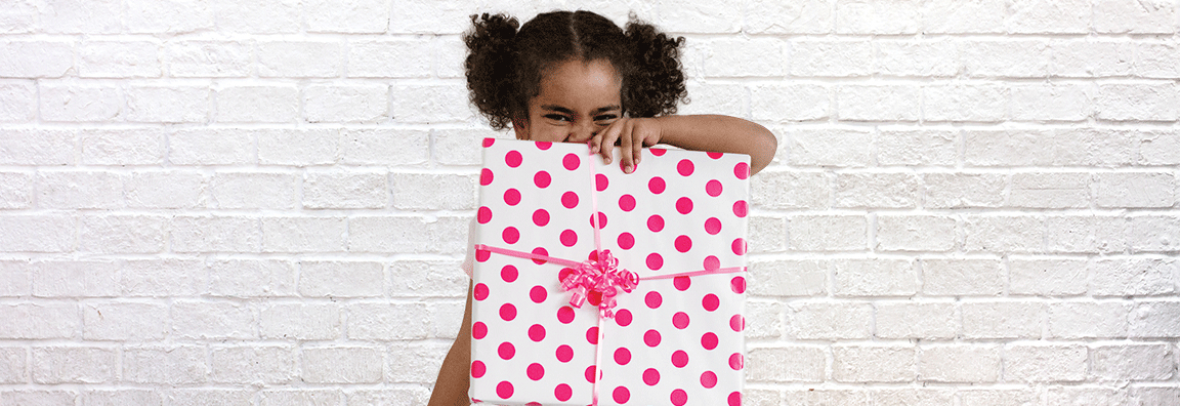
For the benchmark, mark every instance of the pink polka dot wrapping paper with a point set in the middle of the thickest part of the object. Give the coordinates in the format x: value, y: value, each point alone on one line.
x: 673, y: 341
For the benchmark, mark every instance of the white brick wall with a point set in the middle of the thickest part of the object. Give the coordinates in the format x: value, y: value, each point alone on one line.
x: 265, y: 202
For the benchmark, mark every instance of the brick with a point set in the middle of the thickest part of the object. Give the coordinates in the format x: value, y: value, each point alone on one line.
x: 390, y: 58
x: 720, y: 53
x: 207, y: 233
x: 267, y: 104
x: 972, y: 363
x: 254, y: 190
x: 822, y: 320
x: 814, y: 396
x: 121, y: 397
x: 447, y: 18
x: 926, y: 58
x: 762, y: 396
x: 767, y: 234
x: 301, y: 396
x: 1157, y: 395
x: 878, y: 17
x: 396, y: 396
x: 345, y: 190
x: 876, y: 190
x: 163, y: 277
x: 433, y: 191
x: 1136, y: 102
x: 1009, y: 319
x: 173, y: 104
x: 1157, y: 60
x: 827, y: 233
x: 797, y: 363
x: 122, y: 147
x: 1155, y: 233
x: 123, y: 233
x: 1050, y: 17
x: 89, y: 365
x: 76, y: 189
x: 1047, y: 277
x: 19, y: 17
x: 780, y: 278
x: 14, y: 363
x: 407, y: 234
x: 171, y: 16
x: 36, y: 59
x: 203, y: 59
x: 957, y: 17
x: 67, y: 278
x: 119, y: 59
x: 166, y: 190
x: 1134, y: 362
x: 999, y: 397
x: 965, y: 102
x: 422, y: 104
x: 838, y: 147
x: 212, y: 320
x: 298, y: 148
x: 389, y: 321
x: 873, y: 363
x: 921, y: 320
x: 1007, y: 58
x: 301, y: 321
x: 303, y: 234
x: 124, y: 321
x: 387, y: 147
x: 962, y: 277
x: 964, y: 189
x: 1003, y: 233
x: 451, y: 146
x: 1157, y: 148
x: 1094, y: 147
x: 1134, y: 276
x: 246, y: 278
x: 1088, y: 395
x: 764, y: 319
x: 1091, y: 58
x: 694, y: 17
x: 259, y: 16
x: 270, y: 364
x: 448, y: 57
x: 913, y: 397
x: 910, y: 147
x: 874, y: 277
x: 341, y: 365
x: 46, y: 320
x: 319, y: 59
x: 795, y: 102
x: 878, y: 103
x: 16, y: 190
x: 1052, y: 102
x: 718, y: 98
x: 1024, y: 147
x: 1148, y: 17
x: 781, y: 189
x: 828, y: 58
x: 341, y: 279
x: 414, y: 362
x: 1135, y: 189
x: 211, y: 146
x: 355, y: 16
x: 776, y: 17
x: 197, y: 397
x: 103, y: 103
x: 1155, y: 319
x: 175, y: 365
x: 414, y: 278
x: 39, y: 397
x: 1075, y: 234
x: 17, y: 282
x: 368, y: 103
x: 18, y: 101
x: 1044, y: 363
x: 36, y: 232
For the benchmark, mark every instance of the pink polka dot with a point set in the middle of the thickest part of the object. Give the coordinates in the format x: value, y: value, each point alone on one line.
x: 713, y: 188
x: 623, y: 317
x: 738, y: 285
x: 504, y: 390
x: 569, y: 238
x: 565, y: 314
x: 508, y: 312
x: 653, y: 299
x: 601, y: 182
x: 594, y: 298
x: 512, y: 197
x: 506, y: 350
x: 710, y: 302
x: 737, y: 323
x: 627, y: 203
x: 658, y: 151
x: 479, y: 330
x: 680, y: 320
x: 478, y: 369
x: 681, y: 283
x: 741, y: 170
x: 712, y: 264
x: 590, y: 372
x: 563, y: 273
x: 571, y: 161
x: 542, y: 179
x: 485, y: 177
x: 538, y: 294
x: 541, y: 217
x: 684, y: 205
x: 601, y: 220
x: 487, y: 142
x: 734, y: 399
x: 482, y: 255
x: 651, y: 376
x: 712, y: 226
x: 544, y: 145
x: 736, y: 361
x: 679, y: 397
x: 563, y: 392
x: 569, y: 200
x: 480, y: 292
x: 708, y: 379
x: 656, y: 185
x: 537, y: 332
x: 651, y: 338
x: 684, y: 167
x: 739, y: 246
x: 511, y: 235
x: 626, y: 241
x: 565, y: 353
x: 740, y: 209
x: 484, y: 215
x: 680, y: 358
x: 655, y: 261
x: 683, y: 243
x: 709, y: 341
x: 655, y: 223
x: 592, y: 335
x: 542, y: 252
x: 535, y: 371
x: 621, y: 395
x: 509, y: 273
x: 714, y: 155
x: 513, y: 158
x: 622, y: 356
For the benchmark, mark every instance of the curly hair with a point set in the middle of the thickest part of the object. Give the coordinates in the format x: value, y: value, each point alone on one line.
x: 505, y: 65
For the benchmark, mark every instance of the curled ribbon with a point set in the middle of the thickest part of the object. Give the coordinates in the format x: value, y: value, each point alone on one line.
x: 601, y: 277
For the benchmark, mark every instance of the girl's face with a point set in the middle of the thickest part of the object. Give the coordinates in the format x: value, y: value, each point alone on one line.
x: 577, y: 100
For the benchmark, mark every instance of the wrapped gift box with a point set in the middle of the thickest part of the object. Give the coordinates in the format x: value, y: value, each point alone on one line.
x: 671, y: 340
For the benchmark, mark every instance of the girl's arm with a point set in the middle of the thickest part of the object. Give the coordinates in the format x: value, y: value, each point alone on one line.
x: 714, y: 133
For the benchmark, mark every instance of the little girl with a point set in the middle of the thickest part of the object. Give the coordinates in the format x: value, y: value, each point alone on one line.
x: 578, y: 77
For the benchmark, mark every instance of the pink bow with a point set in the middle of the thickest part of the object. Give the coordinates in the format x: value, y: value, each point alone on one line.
x: 599, y: 277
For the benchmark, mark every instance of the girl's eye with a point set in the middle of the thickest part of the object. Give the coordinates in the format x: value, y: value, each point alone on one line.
x: 557, y: 117
x: 605, y: 117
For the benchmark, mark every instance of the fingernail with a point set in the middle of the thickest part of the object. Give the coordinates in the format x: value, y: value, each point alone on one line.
x: 627, y: 169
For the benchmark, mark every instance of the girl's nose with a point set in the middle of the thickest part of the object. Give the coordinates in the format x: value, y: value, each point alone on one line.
x: 581, y: 133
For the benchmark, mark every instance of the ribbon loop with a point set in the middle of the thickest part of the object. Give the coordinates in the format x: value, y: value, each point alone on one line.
x: 602, y: 276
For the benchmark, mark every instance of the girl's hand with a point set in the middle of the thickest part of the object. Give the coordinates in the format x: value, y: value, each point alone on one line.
x: 632, y: 135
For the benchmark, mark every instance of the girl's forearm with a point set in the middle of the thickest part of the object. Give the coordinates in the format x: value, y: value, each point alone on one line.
x: 720, y: 134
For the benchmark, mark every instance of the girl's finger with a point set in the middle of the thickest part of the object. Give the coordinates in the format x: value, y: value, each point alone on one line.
x: 637, y: 138
x: 606, y: 143
x: 627, y: 152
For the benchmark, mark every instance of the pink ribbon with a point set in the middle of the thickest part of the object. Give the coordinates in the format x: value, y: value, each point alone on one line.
x: 601, y: 278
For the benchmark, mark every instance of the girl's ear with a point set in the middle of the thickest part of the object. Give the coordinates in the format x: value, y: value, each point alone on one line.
x: 520, y: 125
